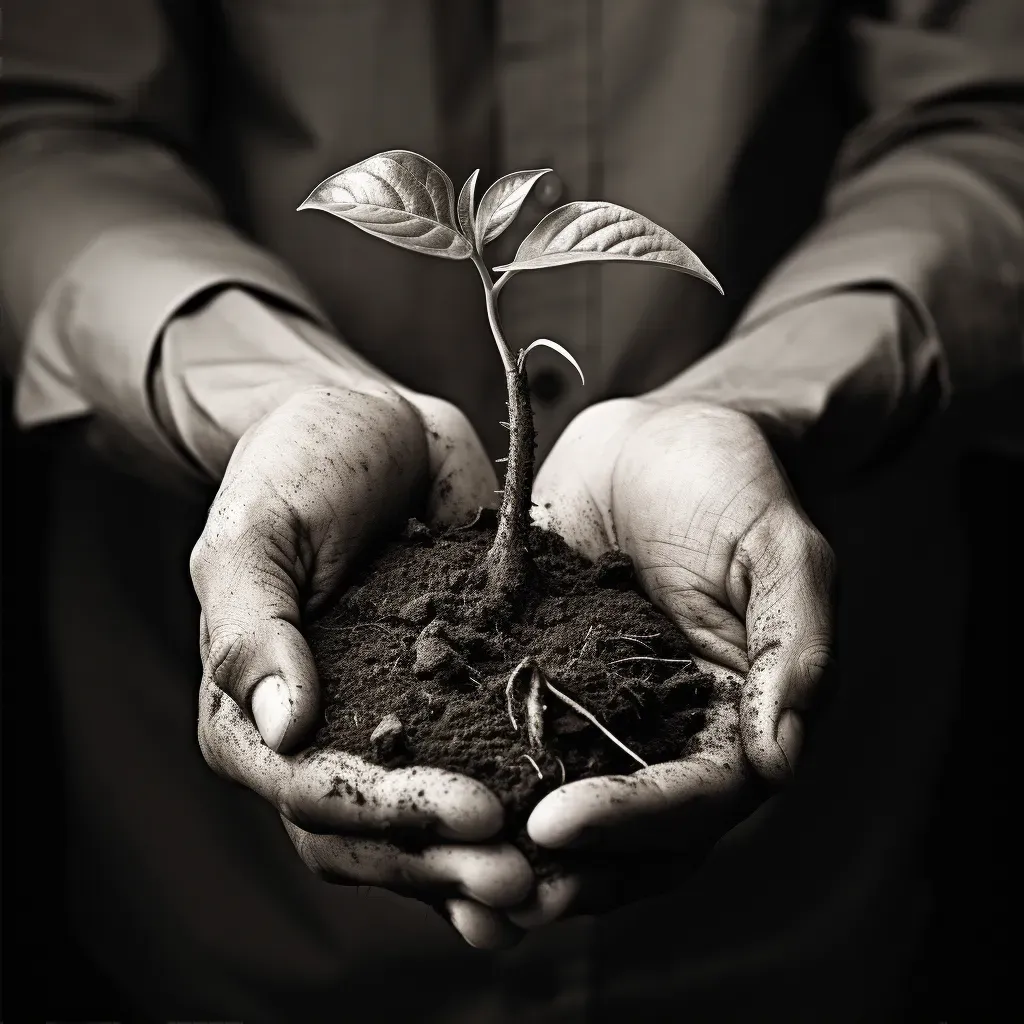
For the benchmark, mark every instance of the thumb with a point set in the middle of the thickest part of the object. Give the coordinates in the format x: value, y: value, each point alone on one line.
x: 789, y: 633
x: 255, y: 651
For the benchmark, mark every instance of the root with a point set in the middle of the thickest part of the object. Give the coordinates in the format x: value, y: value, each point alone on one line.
x: 525, y: 663
x: 641, y: 640
x: 583, y: 647
x: 580, y: 710
x: 660, y: 661
x: 535, y: 710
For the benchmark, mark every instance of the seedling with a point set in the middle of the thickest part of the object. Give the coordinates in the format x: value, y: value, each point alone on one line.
x: 407, y: 200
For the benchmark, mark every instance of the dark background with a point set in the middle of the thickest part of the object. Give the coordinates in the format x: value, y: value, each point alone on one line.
x: 963, y: 968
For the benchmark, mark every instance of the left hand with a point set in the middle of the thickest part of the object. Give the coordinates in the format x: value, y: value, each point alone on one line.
x: 694, y: 494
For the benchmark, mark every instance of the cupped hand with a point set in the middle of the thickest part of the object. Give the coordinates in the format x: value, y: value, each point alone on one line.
x: 694, y: 494
x: 306, y: 489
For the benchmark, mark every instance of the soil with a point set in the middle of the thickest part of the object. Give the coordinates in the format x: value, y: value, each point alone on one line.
x: 415, y: 659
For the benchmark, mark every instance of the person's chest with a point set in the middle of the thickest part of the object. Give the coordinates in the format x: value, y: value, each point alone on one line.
x: 716, y: 118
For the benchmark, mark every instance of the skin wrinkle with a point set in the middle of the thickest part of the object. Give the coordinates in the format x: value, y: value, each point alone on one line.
x: 305, y: 788
x: 732, y: 537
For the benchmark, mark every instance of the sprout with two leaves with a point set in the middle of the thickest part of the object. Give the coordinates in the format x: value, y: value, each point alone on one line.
x: 409, y: 201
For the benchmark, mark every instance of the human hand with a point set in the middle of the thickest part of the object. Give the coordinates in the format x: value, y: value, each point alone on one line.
x: 693, y: 493
x: 306, y: 488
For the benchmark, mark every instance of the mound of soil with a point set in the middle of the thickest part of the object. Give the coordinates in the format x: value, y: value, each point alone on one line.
x: 415, y: 660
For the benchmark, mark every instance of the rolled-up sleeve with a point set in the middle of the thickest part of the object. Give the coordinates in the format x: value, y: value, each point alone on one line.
x: 928, y: 196
x: 106, y: 227
x: 927, y: 203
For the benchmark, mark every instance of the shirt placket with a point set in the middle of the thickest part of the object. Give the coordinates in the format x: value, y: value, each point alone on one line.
x: 546, y: 118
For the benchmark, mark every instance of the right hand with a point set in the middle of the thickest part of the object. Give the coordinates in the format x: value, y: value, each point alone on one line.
x: 306, y: 489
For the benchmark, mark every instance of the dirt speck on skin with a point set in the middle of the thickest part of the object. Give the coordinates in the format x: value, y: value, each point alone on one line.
x: 414, y: 661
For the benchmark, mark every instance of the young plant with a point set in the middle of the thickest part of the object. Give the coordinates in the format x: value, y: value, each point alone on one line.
x: 409, y: 201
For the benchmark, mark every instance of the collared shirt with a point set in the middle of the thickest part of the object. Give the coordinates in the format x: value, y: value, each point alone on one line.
x: 152, y: 152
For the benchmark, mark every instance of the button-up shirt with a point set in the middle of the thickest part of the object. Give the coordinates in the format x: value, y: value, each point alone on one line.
x: 153, y: 155
x: 155, y: 151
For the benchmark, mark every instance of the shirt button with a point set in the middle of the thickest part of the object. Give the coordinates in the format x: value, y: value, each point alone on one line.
x: 549, y: 189
x: 547, y: 385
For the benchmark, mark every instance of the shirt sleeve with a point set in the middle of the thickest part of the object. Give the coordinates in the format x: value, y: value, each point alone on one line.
x: 108, y: 229
x: 231, y: 360
x: 926, y: 204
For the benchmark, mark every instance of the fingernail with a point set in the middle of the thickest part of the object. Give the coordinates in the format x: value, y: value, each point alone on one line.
x: 789, y: 735
x: 272, y: 710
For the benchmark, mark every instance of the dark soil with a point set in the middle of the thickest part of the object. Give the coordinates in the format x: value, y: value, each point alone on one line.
x: 415, y: 660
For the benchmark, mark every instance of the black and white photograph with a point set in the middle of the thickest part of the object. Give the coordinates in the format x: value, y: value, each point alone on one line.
x: 512, y: 510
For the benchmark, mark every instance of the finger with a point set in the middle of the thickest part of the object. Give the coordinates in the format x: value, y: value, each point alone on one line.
x: 462, y: 476
x: 292, y: 512
x: 553, y: 898
x: 204, y: 639
x: 326, y: 790
x: 603, y: 888
x: 789, y: 631
x: 480, y: 926
x: 714, y: 632
x: 663, y: 806
x: 493, y: 875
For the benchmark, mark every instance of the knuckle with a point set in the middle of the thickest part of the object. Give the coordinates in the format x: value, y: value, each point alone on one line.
x: 813, y: 660
x: 227, y: 644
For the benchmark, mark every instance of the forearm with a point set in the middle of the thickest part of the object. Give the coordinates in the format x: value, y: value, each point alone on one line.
x: 910, y: 291
x: 107, y: 229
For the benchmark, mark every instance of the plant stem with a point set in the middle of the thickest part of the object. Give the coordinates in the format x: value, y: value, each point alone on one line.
x: 509, y: 556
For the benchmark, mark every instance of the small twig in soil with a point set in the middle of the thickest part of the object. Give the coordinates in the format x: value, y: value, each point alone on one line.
x: 580, y: 710
x: 508, y: 690
x: 562, y: 766
x: 536, y: 767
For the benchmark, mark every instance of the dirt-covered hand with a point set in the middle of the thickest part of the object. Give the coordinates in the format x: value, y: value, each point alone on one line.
x: 694, y: 494
x: 305, y: 490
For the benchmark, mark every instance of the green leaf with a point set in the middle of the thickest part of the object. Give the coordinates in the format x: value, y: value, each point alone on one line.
x: 501, y: 203
x: 399, y: 196
x: 587, y: 232
x: 467, y: 219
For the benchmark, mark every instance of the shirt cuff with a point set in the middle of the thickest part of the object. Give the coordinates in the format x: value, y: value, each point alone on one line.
x: 950, y: 245
x: 830, y: 379
x: 229, y: 363
x: 90, y: 346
